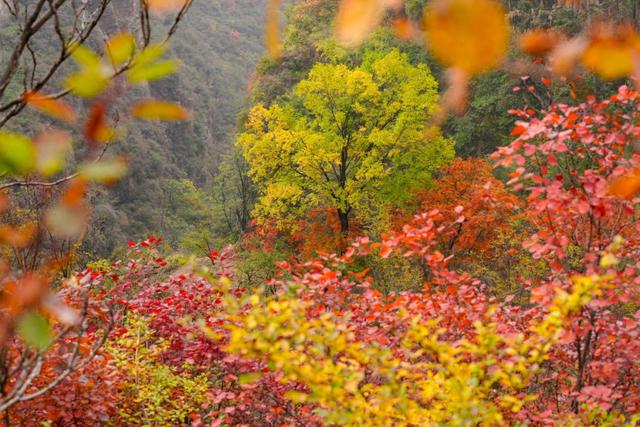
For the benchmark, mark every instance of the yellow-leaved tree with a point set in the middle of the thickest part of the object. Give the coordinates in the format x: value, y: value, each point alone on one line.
x: 347, y: 139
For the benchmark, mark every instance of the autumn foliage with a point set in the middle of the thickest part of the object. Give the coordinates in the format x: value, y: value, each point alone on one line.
x: 469, y: 187
x: 511, y: 293
x: 324, y: 346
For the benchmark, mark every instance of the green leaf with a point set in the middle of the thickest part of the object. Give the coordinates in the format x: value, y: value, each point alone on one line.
x: 84, y: 56
x: 17, y: 154
x: 35, y: 330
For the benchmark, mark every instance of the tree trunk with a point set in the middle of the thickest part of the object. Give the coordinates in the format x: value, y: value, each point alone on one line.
x: 343, y: 216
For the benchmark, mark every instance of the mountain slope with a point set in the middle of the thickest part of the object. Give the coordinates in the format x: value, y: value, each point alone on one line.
x: 218, y: 44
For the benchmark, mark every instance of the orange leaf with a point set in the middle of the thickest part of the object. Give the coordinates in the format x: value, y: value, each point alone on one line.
x: 385, y: 251
x: 75, y: 192
x: 573, y: 4
x: 626, y: 186
x: 4, y: 202
x: 518, y: 130
x: 27, y: 292
x: 356, y: 19
x: 51, y: 106
x: 393, y: 4
x: 20, y: 236
x: 96, y: 128
x: 472, y: 35
x: 165, y: 6
x: 272, y: 29
x: 539, y: 42
x: 159, y: 110
x: 404, y: 28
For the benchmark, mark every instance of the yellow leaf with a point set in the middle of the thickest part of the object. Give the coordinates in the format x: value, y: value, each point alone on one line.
x: 147, y: 67
x: 93, y: 76
x: 50, y: 106
x: 296, y: 396
x: 151, y: 53
x: 272, y: 29
x: 472, y: 35
x: 120, y: 48
x: 88, y: 83
x: 84, y: 56
x: 609, y: 260
x: 611, y: 51
x: 105, y: 172
x: 356, y: 19
x: 159, y: 110
x: 250, y: 377
x: 144, y: 73
x: 17, y: 154
x: 254, y: 299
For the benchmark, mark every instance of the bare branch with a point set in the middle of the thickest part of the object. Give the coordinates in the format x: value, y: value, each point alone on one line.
x: 178, y: 18
x: 13, y: 62
x: 49, y: 183
x: 83, y: 25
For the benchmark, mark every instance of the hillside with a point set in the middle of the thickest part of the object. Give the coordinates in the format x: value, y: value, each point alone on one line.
x: 218, y: 45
